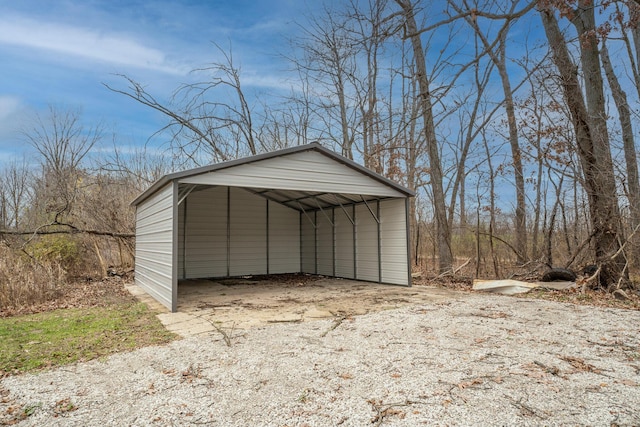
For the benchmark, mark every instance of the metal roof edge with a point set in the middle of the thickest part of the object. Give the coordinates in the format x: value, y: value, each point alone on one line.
x: 265, y: 156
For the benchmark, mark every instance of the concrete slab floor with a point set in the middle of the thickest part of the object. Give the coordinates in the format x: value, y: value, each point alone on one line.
x: 206, y: 306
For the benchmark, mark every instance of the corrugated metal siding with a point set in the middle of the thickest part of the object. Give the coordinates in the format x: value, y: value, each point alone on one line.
x: 366, y: 244
x: 393, y: 230
x: 154, y: 245
x: 181, y: 271
x: 308, y: 243
x: 284, y: 239
x: 324, y: 244
x: 305, y: 171
x: 206, y: 233
x: 344, y: 243
x: 248, y: 251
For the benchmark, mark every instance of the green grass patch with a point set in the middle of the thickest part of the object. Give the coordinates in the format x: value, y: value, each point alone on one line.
x: 65, y: 336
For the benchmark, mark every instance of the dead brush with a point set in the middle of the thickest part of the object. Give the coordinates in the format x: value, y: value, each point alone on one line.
x: 25, y: 281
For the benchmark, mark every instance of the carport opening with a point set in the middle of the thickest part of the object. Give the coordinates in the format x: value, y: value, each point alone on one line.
x: 251, y: 234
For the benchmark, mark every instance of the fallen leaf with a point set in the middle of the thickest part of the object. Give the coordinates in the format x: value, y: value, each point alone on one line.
x: 580, y: 364
x: 467, y: 384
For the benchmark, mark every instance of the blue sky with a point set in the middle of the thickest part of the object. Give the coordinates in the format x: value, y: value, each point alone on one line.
x: 60, y: 52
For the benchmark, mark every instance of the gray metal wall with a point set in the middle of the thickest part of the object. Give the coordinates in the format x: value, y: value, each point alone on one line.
x: 284, y: 239
x: 248, y: 238
x: 395, y: 246
x: 203, y: 234
x: 307, y: 170
x: 223, y: 232
x: 367, y: 240
x: 324, y: 242
x: 154, y: 246
x: 308, y: 243
x: 380, y: 248
x: 345, y: 242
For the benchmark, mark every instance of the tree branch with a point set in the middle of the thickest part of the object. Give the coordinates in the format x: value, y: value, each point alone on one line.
x: 70, y: 229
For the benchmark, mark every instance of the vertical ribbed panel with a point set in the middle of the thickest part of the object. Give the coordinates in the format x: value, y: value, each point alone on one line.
x: 324, y: 244
x: 248, y: 251
x: 206, y: 233
x: 393, y: 230
x: 344, y: 242
x: 284, y: 239
x: 366, y: 244
x: 154, y: 245
x: 181, y: 247
x: 308, y: 243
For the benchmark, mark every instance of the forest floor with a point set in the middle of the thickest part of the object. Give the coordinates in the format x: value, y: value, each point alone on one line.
x: 576, y: 295
x: 81, y: 293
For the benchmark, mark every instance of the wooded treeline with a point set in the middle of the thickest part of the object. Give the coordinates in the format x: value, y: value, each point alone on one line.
x: 513, y: 120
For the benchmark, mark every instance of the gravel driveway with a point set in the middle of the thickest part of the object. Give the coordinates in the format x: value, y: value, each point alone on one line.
x: 475, y: 360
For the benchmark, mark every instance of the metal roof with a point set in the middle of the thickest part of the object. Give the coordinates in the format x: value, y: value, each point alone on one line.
x: 299, y: 200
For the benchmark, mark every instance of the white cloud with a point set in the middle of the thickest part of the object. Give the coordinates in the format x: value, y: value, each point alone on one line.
x: 270, y: 81
x: 86, y: 43
x: 8, y: 106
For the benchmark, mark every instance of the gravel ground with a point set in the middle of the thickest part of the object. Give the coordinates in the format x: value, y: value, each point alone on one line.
x: 479, y: 360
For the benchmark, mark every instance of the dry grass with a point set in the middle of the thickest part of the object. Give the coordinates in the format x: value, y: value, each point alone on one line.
x: 78, y: 293
x: 25, y: 281
x: 596, y: 298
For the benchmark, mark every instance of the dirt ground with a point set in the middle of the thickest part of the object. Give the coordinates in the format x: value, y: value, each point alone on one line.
x: 248, y: 302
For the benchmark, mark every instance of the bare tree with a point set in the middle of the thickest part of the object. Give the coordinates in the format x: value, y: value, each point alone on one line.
x: 63, y: 143
x: 15, y: 185
x: 497, y: 52
x: 328, y: 61
x: 209, y: 120
x: 445, y: 254
x: 61, y: 139
x: 139, y: 167
x: 628, y: 143
x: 589, y: 120
x: 372, y: 28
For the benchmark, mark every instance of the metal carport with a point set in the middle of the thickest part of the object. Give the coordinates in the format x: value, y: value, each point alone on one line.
x: 302, y: 209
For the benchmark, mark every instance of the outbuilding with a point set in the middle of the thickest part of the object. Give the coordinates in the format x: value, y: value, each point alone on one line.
x: 303, y: 209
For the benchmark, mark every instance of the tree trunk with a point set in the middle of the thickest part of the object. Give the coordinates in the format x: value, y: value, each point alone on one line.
x: 521, y: 213
x: 624, y: 115
x: 443, y: 236
x: 536, y: 213
x: 591, y: 136
x: 499, y: 58
x: 492, y: 207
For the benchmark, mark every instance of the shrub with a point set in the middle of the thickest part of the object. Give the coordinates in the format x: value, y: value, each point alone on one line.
x: 56, y: 249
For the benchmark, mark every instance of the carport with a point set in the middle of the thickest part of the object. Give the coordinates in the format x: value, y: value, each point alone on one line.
x: 304, y: 209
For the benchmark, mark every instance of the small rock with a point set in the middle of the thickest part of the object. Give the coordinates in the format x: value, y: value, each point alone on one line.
x: 620, y: 295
